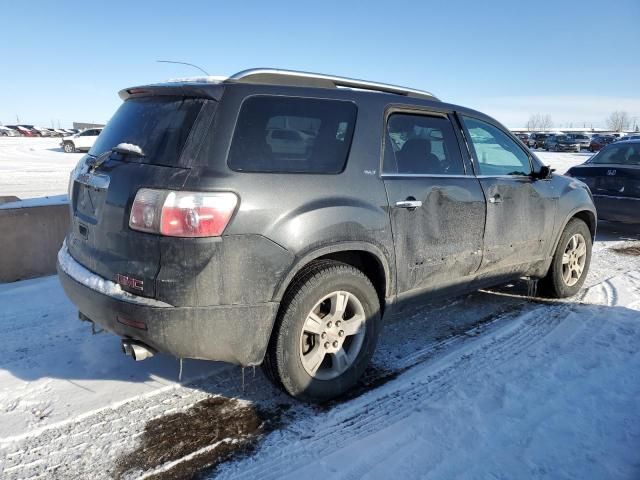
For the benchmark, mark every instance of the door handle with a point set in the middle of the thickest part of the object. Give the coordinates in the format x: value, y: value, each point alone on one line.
x: 495, y: 199
x: 409, y: 204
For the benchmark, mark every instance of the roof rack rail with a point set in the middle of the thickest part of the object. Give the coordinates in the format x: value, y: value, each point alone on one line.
x: 273, y: 76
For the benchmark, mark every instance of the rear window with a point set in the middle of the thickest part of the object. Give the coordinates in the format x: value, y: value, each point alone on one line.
x: 158, y: 125
x: 619, y: 154
x: 292, y: 135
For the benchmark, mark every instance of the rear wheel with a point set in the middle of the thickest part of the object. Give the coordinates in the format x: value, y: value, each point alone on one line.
x: 325, y: 334
x: 69, y: 147
x: 571, y: 260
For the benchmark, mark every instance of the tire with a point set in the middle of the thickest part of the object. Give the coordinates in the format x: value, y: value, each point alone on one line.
x: 69, y: 147
x: 303, y: 363
x: 555, y: 283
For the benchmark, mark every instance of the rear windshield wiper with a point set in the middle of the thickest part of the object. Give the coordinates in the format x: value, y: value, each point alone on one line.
x: 121, y: 148
x: 128, y: 149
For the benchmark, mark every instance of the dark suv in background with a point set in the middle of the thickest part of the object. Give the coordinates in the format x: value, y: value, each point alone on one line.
x: 199, y: 231
x: 536, y: 140
x: 562, y: 143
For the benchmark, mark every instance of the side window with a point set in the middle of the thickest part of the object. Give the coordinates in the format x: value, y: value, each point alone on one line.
x: 421, y: 144
x: 292, y: 135
x: 496, y: 152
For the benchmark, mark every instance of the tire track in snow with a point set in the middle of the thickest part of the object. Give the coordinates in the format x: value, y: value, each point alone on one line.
x: 384, y: 409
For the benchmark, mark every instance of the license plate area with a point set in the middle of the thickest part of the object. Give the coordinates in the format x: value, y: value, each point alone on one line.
x: 90, y: 196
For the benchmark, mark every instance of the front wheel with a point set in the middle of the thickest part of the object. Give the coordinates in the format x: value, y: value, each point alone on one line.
x: 571, y: 260
x: 325, y: 334
x: 69, y: 147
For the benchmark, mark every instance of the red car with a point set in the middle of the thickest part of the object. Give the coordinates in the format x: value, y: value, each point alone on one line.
x: 25, y: 132
x: 600, y: 141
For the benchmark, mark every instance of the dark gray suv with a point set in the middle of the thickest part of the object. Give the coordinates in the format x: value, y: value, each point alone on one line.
x: 275, y: 217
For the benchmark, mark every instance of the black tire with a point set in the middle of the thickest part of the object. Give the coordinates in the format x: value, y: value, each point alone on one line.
x: 69, y: 147
x: 553, y: 284
x: 283, y: 364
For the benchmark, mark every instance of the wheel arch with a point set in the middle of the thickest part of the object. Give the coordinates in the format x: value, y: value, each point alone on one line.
x: 586, y: 215
x: 364, y: 256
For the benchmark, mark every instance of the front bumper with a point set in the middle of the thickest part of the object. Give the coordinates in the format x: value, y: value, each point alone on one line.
x: 231, y: 333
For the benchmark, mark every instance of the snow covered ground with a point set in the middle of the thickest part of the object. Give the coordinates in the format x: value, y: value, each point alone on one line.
x: 490, y: 385
x: 34, y: 167
x: 37, y: 167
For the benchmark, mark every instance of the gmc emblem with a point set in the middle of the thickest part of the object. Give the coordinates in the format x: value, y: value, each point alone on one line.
x: 611, y: 172
x: 129, y: 282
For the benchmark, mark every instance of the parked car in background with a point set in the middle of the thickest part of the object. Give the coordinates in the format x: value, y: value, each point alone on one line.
x: 32, y: 129
x: 613, y: 175
x: 25, y: 132
x: 536, y: 140
x: 53, y: 132
x: 44, y: 132
x: 583, y: 139
x: 628, y: 137
x: 15, y: 129
x: 210, y: 243
x: 82, y: 141
x: 599, y: 141
x: 8, y: 132
x: 561, y: 143
x: 524, y: 137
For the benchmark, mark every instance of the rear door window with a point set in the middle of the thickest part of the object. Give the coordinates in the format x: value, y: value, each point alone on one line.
x: 421, y: 145
x: 292, y: 135
x: 159, y: 125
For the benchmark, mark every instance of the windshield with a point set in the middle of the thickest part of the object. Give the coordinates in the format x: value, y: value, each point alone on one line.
x: 619, y: 154
x: 159, y: 126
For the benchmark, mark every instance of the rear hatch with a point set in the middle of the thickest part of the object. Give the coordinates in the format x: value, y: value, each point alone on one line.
x: 104, y: 185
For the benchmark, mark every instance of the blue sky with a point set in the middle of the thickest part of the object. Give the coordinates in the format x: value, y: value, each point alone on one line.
x: 576, y: 60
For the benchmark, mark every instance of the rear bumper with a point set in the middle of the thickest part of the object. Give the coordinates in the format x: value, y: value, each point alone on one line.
x: 617, y: 209
x: 231, y: 333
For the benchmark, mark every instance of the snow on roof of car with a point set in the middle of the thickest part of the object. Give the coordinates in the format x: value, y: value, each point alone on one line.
x: 201, y: 79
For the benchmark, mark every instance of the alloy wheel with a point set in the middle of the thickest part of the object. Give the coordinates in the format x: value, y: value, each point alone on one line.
x: 332, y: 335
x: 573, y: 259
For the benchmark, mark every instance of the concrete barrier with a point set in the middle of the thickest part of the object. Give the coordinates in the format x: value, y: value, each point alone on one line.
x: 31, y: 234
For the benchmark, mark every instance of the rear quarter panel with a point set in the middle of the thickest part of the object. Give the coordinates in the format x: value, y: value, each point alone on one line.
x: 301, y: 213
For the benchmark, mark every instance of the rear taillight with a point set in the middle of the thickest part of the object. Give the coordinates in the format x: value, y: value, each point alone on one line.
x: 182, y: 214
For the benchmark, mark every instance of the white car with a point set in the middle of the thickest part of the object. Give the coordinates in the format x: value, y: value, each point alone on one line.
x: 8, y: 132
x: 80, y: 141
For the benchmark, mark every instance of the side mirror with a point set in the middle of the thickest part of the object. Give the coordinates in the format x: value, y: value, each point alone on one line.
x: 544, y: 173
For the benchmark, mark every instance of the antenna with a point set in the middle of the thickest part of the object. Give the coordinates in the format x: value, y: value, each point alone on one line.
x: 184, y: 63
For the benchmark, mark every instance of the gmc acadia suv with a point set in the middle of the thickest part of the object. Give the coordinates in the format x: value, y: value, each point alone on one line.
x: 275, y: 217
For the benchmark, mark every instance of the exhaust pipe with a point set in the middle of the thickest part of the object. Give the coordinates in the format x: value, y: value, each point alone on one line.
x: 136, y: 350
